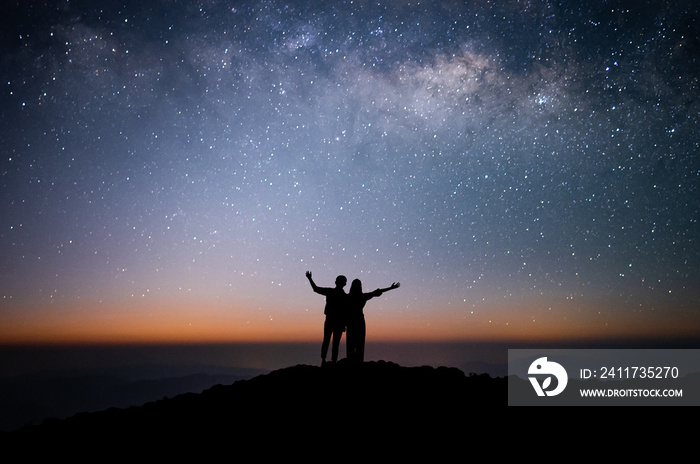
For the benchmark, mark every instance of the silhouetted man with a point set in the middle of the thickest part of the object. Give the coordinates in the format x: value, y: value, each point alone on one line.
x: 334, y: 326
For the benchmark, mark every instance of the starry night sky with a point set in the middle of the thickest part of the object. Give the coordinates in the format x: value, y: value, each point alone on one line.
x: 526, y: 169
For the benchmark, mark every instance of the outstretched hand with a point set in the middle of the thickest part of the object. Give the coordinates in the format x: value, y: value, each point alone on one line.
x: 308, y: 274
x: 395, y: 285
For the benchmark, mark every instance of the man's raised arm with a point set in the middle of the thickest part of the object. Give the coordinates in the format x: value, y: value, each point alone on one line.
x: 311, y: 281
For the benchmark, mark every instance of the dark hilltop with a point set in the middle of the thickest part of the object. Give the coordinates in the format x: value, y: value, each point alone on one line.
x: 302, y: 402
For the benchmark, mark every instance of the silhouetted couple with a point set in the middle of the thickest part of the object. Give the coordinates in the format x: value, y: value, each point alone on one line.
x: 344, y: 311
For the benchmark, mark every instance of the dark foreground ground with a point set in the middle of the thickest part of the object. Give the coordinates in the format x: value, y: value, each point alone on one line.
x: 310, y: 405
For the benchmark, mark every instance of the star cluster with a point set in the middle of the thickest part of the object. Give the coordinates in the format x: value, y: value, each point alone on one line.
x: 521, y: 167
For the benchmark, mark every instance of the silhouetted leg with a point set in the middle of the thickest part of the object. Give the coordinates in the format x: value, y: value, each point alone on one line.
x: 337, y: 334
x: 360, y: 340
x: 327, y: 331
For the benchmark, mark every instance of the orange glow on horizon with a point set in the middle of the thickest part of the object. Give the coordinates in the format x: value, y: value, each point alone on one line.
x: 184, y: 322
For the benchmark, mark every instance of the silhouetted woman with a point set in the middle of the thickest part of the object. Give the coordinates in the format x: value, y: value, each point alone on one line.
x: 356, y: 327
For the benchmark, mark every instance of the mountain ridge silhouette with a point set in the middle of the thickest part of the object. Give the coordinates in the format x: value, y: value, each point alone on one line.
x: 30, y: 399
x: 295, y: 403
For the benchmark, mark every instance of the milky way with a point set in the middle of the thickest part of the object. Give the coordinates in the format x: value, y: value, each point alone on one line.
x: 516, y: 165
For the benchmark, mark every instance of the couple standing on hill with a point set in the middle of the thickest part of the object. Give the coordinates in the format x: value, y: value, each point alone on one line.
x: 344, y: 310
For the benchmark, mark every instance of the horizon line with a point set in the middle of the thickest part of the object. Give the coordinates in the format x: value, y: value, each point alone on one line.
x: 592, y: 340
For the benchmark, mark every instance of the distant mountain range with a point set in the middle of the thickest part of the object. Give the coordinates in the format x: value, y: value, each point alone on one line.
x: 299, y: 404
x: 30, y: 399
